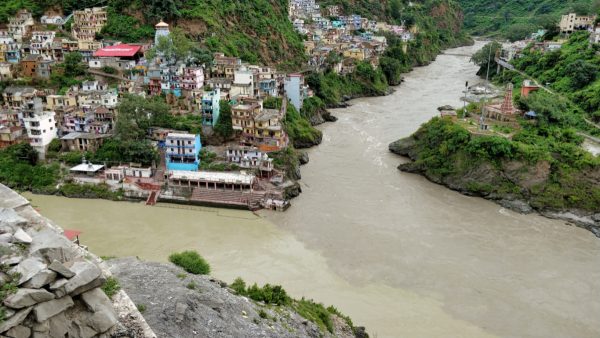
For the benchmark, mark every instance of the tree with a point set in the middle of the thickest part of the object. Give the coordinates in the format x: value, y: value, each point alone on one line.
x: 136, y: 115
x: 392, y: 69
x: 519, y: 31
x: 74, y: 65
x: 224, y: 127
x: 582, y: 73
x: 484, y: 58
x: 174, y: 47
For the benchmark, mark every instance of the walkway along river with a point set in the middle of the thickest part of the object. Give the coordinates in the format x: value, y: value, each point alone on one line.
x: 399, y: 254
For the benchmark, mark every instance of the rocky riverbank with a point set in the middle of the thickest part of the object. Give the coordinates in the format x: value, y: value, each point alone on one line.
x: 178, y: 304
x: 513, y: 183
x: 52, y: 287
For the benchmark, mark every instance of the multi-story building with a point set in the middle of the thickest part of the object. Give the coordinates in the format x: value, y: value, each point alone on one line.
x: 224, y: 67
x: 243, y: 83
x: 52, y: 20
x: 41, y: 130
x: 88, y: 22
x: 193, y: 78
x: 182, y: 151
x: 78, y: 141
x: 29, y: 65
x: 6, y: 71
x: 211, y: 107
x: 44, y: 69
x: 295, y: 89
x: 20, y: 25
x: 10, y: 136
x: 41, y: 44
x: 16, y: 97
x: 572, y: 22
x: 259, y: 127
x: 242, y: 117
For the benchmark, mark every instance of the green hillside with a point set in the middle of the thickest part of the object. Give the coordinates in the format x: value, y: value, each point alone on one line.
x: 516, y: 18
x: 256, y: 31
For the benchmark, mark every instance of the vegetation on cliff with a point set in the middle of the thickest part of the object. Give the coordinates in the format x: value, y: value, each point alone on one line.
x: 544, y: 166
x: 515, y: 19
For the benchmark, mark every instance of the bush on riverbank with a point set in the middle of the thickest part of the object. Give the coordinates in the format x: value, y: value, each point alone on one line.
x: 101, y: 191
x: 301, y: 133
x: 190, y: 261
x: 19, y: 169
x: 276, y: 295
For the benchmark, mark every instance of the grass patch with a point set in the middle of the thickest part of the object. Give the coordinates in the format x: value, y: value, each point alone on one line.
x: 141, y: 308
x: 190, y: 261
x: 111, y: 286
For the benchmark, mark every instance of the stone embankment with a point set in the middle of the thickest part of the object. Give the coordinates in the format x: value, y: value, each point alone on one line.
x: 50, y: 286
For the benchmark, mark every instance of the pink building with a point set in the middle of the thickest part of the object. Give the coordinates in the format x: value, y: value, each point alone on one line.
x: 193, y: 78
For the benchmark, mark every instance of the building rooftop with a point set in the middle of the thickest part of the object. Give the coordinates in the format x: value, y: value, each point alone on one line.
x: 267, y: 115
x: 122, y: 50
x: 88, y: 136
x: 209, y: 176
x: 181, y: 135
x: 87, y: 168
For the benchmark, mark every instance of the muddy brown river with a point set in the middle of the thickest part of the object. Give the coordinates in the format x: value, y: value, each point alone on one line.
x: 400, y: 255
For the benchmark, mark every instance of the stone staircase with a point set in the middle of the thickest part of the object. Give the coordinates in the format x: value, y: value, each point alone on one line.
x: 228, y: 197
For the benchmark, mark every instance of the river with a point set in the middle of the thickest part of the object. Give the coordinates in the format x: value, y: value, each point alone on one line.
x: 400, y: 255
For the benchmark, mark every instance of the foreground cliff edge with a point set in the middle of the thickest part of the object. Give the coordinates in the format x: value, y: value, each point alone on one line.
x: 53, y: 287
x: 496, y: 169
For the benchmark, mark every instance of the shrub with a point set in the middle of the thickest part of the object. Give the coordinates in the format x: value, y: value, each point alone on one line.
x: 190, y: 261
x: 141, y: 308
x: 262, y: 314
x: 111, y: 286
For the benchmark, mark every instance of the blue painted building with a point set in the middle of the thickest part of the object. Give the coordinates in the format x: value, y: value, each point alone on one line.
x: 211, y: 107
x: 182, y: 151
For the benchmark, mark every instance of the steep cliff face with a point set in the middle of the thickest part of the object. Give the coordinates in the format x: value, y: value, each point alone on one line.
x: 447, y: 155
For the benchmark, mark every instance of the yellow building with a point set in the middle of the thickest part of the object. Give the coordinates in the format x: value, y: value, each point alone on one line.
x: 572, y: 22
x: 355, y: 53
x: 56, y: 102
x: 88, y: 22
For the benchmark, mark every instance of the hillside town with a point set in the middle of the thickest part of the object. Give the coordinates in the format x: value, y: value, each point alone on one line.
x: 329, y: 32
x: 81, y: 115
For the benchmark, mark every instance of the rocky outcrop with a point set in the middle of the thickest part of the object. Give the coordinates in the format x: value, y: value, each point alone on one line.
x: 481, y: 179
x: 178, y: 304
x: 51, y: 286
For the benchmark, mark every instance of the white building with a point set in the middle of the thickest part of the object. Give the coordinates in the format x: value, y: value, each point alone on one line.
x: 20, y: 25
x: 295, y: 89
x: 52, y: 20
x: 41, y: 130
x: 243, y: 83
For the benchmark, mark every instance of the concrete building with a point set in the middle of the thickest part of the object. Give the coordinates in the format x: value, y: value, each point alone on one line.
x: 6, y: 71
x: 295, y: 89
x: 78, y: 141
x: 10, y: 136
x: 182, y: 151
x: 41, y: 130
x: 211, y: 107
x: 20, y: 25
x: 88, y: 22
x: 193, y: 78
x: 572, y: 22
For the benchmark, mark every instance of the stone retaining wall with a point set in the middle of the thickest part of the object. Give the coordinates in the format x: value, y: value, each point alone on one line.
x: 50, y: 286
